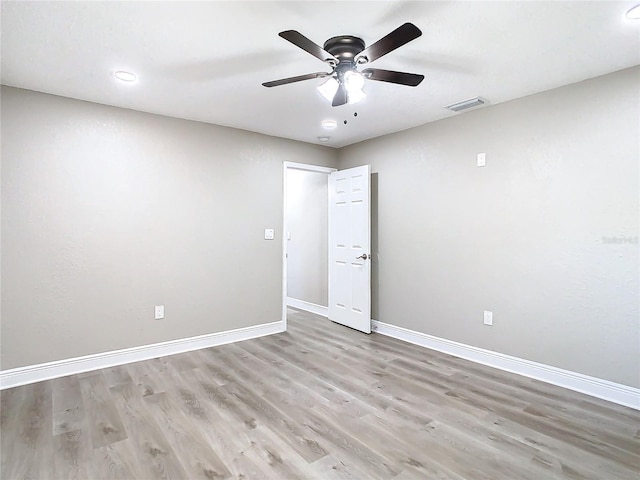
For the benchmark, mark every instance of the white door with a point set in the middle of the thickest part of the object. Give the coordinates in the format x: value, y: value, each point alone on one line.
x: 350, y: 248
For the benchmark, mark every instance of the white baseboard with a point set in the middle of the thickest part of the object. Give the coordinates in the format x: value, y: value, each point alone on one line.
x: 596, y: 387
x: 71, y: 366
x: 308, y: 306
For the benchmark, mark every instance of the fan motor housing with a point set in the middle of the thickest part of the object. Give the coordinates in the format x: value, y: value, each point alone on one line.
x: 344, y: 47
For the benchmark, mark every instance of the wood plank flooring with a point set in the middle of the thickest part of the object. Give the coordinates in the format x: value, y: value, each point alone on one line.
x: 320, y: 401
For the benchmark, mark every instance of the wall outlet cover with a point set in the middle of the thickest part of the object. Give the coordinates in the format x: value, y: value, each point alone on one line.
x: 159, y: 312
x: 488, y: 317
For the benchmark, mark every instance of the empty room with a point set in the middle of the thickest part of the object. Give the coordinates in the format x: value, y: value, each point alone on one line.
x: 320, y: 240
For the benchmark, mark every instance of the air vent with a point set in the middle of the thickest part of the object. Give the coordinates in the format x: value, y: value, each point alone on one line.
x: 472, y: 102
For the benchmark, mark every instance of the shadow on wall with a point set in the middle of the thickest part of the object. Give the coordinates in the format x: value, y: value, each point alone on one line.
x: 375, y: 297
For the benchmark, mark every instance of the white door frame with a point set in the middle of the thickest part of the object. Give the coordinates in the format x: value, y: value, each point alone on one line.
x: 293, y: 166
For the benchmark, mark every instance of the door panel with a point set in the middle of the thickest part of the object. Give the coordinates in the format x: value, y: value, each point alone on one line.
x: 350, y: 238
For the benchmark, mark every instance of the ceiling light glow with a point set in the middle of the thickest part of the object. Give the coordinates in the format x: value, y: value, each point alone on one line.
x: 329, y: 124
x: 634, y: 13
x: 125, y: 76
x: 353, y: 81
x: 323, y: 139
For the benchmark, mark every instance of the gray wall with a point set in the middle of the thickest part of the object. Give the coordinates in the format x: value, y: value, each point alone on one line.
x: 107, y: 212
x: 307, y: 221
x: 530, y: 236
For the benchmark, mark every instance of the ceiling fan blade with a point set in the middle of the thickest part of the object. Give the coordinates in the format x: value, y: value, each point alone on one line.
x: 402, y: 78
x: 340, y: 98
x: 307, y: 45
x: 299, y: 78
x: 400, y: 36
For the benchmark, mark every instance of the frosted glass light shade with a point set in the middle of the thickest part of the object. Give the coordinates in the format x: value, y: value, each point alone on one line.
x: 329, y: 88
x: 355, y: 96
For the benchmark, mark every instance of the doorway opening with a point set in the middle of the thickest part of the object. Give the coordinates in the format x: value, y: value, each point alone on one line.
x: 305, y: 238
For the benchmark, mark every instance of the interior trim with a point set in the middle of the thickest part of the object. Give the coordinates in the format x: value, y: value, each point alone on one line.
x: 596, y: 387
x: 308, y: 307
x: 70, y: 366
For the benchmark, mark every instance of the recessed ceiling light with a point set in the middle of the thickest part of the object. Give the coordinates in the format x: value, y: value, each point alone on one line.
x: 125, y: 76
x: 634, y: 13
x: 323, y: 139
x: 329, y: 124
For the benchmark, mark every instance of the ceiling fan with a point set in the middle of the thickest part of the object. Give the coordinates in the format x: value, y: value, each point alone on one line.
x: 344, y: 54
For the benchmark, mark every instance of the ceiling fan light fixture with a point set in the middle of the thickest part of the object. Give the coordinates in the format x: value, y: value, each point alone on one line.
x: 329, y: 88
x: 344, y: 54
x: 634, y: 13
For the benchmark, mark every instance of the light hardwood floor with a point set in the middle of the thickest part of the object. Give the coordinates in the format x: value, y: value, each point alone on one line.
x: 320, y: 401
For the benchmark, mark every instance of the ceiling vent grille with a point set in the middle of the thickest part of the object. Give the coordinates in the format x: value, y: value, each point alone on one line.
x: 472, y: 102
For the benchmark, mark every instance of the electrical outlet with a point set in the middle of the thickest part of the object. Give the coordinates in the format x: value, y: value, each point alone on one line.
x: 482, y: 159
x: 269, y: 233
x: 159, y: 312
x: 488, y: 318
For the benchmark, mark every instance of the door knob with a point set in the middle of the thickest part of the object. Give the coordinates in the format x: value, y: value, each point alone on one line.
x: 364, y: 256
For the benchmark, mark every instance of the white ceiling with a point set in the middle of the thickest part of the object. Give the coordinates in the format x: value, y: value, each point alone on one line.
x: 206, y: 60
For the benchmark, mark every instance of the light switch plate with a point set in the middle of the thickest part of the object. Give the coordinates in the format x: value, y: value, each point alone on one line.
x: 482, y: 159
x: 269, y: 233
